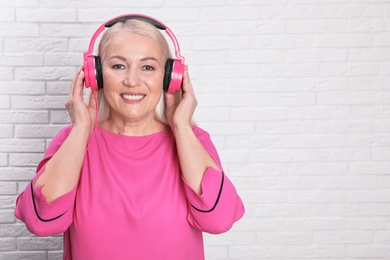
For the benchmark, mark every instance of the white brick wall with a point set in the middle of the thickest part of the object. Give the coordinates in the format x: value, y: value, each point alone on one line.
x: 296, y: 94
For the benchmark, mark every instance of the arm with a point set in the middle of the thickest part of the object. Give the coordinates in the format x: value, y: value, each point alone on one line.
x: 214, y: 203
x: 62, y: 171
x: 46, y: 206
x: 219, y: 205
x: 194, y: 159
x: 40, y: 217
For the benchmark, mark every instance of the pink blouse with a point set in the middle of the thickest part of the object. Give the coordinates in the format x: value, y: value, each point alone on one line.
x: 131, y: 201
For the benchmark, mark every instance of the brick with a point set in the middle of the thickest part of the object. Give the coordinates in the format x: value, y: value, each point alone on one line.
x: 23, y: 117
x: 63, y: 59
x: 256, y: 85
x: 21, y: 59
x: 21, y: 145
x: 254, y: 142
x: 46, y: 15
x: 344, y: 41
x: 316, y: 26
x: 316, y: 251
x: 285, y: 238
x: 54, y: 255
x: 284, y: 210
x: 20, y: 3
x: 368, y: 223
x: 40, y: 243
x: 343, y: 126
x: 6, y: 131
x: 19, y: 29
x: 286, y: 99
x: 7, y: 216
x: 65, y: 4
x: 370, y: 167
x: 347, y: 182
x: 318, y: 168
x: 15, y: 174
x: 378, y: 251
x: 254, y: 251
x: 382, y: 39
x: 285, y: 127
x: 23, y: 255
x: 256, y: 57
x: 315, y: 196
x: 259, y: 29
x: 216, y: 252
x: 229, y: 13
x: 290, y: 12
x: 7, y: 244
x: 7, y: 15
x: 31, y: 45
x: 36, y: 131
x: 319, y: 112
x: 8, y: 188
x: 259, y: 113
x: 317, y: 55
x: 59, y: 117
x: 23, y: 88
x: 44, y: 73
x: 344, y: 237
x: 316, y: 141
x: 368, y: 196
x: 308, y: 223
x: 25, y: 160
x: 38, y: 102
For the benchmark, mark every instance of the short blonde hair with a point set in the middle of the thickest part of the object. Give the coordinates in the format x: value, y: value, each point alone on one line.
x: 142, y: 28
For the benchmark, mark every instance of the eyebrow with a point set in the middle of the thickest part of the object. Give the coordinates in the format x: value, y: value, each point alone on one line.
x: 124, y: 59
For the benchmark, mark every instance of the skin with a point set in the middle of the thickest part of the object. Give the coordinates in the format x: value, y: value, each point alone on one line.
x: 133, y: 66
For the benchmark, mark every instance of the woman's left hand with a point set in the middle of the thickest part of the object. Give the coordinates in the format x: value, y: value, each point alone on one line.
x: 180, y: 113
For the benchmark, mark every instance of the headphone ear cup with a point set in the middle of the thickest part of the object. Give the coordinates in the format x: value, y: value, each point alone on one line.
x: 99, y: 72
x: 168, y: 74
x: 93, y: 72
x: 89, y: 72
x: 173, y: 78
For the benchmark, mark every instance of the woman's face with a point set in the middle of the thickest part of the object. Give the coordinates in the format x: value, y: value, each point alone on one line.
x: 133, y: 71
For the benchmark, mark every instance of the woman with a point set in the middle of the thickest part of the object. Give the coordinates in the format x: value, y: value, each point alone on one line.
x: 136, y: 180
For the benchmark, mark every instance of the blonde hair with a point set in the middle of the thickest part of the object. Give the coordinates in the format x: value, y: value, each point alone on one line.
x: 142, y: 28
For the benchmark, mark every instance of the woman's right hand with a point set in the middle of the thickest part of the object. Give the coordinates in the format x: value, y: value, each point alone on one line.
x: 83, y: 116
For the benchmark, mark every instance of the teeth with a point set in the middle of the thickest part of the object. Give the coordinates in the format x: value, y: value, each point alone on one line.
x: 133, y: 97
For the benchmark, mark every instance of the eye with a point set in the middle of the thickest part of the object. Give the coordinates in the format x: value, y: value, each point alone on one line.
x: 148, y: 67
x: 118, y: 66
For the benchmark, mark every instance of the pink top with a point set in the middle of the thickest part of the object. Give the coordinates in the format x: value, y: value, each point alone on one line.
x: 132, y: 202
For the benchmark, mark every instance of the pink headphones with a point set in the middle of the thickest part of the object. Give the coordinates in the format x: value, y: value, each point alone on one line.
x: 174, y: 68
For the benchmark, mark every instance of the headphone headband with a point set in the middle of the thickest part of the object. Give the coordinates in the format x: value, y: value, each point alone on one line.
x: 174, y: 68
x: 123, y: 18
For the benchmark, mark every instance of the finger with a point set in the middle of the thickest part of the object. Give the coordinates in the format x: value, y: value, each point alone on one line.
x: 187, y: 85
x: 79, y: 84
x: 74, y: 81
x: 93, y: 97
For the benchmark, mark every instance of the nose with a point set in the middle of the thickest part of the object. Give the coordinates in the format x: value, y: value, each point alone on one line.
x: 132, y: 78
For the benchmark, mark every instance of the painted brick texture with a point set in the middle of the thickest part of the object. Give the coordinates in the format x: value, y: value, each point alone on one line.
x: 295, y: 93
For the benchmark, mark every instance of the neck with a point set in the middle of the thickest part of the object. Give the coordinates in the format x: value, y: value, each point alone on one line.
x: 133, y: 128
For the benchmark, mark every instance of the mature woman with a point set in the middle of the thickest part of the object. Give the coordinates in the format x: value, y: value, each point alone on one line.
x: 132, y: 177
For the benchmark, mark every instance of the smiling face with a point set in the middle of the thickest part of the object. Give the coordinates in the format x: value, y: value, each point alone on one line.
x: 133, y: 70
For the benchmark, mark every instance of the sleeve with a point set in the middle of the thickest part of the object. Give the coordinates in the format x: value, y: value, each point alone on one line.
x: 41, y: 218
x: 219, y: 205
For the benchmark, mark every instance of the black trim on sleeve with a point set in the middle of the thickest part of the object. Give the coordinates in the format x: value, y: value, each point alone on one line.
x: 36, y: 211
x: 216, y: 202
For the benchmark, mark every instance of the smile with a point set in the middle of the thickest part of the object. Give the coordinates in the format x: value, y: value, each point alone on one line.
x: 133, y: 97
